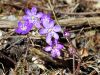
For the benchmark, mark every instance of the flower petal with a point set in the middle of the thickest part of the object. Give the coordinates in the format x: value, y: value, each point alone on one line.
x: 55, y: 41
x: 59, y: 46
x: 48, y: 48
x: 45, y: 23
x: 51, y: 24
x: 31, y: 21
x: 45, y: 17
x: 33, y: 10
x: 57, y: 28
x: 29, y: 27
x: 26, y: 17
x: 48, y: 24
x: 48, y: 38
x: 45, y: 20
x: 55, y: 35
x: 28, y: 12
x: 19, y: 24
x: 55, y: 53
x: 18, y: 30
x: 24, y: 32
x: 37, y: 24
x: 43, y: 31
x: 39, y: 15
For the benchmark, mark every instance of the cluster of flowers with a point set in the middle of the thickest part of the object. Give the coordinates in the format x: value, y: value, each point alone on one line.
x: 45, y: 25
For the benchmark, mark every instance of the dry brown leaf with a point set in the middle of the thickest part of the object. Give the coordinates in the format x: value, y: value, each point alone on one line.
x: 84, y: 52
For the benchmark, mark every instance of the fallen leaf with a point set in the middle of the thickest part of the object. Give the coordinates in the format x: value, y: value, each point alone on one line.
x: 84, y: 52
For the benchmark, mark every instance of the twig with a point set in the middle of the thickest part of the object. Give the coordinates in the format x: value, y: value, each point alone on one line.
x: 8, y: 58
x: 8, y: 24
x: 45, y: 56
x: 15, y: 43
x: 78, y: 68
x: 81, y: 13
x: 52, y: 8
x: 44, y: 8
x: 73, y: 64
x: 63, y: 22
x: 79, y: 21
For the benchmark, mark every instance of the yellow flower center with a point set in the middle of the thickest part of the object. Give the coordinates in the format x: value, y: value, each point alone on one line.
x: 32, y: 17
x: 50, y: 30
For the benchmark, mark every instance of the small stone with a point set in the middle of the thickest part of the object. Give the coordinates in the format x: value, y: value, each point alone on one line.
x: 12, y: 18
x: 4, y: 17
x: 33, y: 33
x: 34, y: 58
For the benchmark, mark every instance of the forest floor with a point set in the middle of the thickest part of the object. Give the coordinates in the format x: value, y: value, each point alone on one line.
x: 24, y: 54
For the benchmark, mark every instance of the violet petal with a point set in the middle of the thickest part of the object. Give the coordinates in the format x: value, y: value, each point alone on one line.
x: 19, y: 23
x: 55, y: 53
x: 57, y: 28
x: 51, y: 24
x: 55, y: 35
x: 37, y: 25
x: 43, y: 31
x: 28, y: 12
x: 48, y: 38
x: 39, y: 15
x: 59, y: 46
x: 48, y: 48
x: 26, y: 17
x: 33, y: 10
x: 18, y: 30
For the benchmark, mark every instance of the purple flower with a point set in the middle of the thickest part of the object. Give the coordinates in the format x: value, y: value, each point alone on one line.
x: 66, y: 33
x: 54, y: 49
x: 49, y: 29
x: 33, y: 17
x: 23, y: 28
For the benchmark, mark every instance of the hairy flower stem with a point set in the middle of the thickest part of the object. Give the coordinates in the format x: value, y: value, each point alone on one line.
x: 75, y: 72
x: 73, y: 64
x: 73, y: 56
x: 26, y: 47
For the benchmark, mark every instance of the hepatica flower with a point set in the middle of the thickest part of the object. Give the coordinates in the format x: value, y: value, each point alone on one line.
x: 50, y: 30
x: 33, y: 17
x: 46, y: 26
x: 23, y: 28
x: 54, y: 49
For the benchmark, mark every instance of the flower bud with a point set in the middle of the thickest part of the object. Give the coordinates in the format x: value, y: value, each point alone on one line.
x: 66, y: 33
